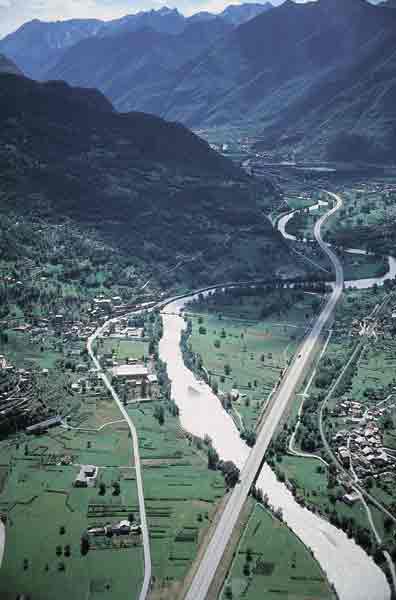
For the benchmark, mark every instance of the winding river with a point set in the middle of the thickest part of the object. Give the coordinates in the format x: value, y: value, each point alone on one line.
x: 361, y: 284
x: 353, y: 573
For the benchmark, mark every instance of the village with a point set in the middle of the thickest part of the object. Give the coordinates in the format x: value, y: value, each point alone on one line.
x: 19, y: 401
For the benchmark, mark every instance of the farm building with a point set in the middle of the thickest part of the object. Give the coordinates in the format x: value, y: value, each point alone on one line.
x: 87, y: 476
x: 44, y: 425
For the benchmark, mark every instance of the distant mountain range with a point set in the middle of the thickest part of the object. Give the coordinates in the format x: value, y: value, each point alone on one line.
x: 152, y: 190
x: 38, y: 46
x: 319, y: 78
x: 316, y: 78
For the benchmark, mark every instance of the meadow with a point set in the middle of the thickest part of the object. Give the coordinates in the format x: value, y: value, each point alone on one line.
x: 246, y: 343
x: 272, y: 563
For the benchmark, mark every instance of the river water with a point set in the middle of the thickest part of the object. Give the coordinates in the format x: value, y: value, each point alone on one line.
x: 360, y: 284
x: 353, y: 573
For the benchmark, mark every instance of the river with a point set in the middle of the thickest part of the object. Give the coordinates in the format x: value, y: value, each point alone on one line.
x: 360, y: 284
x: 353, y: 573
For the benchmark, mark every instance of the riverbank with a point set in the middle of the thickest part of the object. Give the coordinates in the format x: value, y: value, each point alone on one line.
x: 347, y: 566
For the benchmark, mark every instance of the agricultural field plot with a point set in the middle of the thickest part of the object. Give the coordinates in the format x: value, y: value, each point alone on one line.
x: 25, y: 352
x: 362, y: 266
x: 272, y: 562
x: 121, y: 349
x: 365, y: 207
x: 246, y: 342
x: 375, y: 377
x: 356, y: 266
x: 181, y: 495
x: 47, y: 515
x: 302, y: 224
x: 296, y: 202
x: 310, y: 480
x: 367, y: 219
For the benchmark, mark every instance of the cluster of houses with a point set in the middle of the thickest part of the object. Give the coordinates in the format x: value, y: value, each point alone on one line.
x: 352, y: 411
x: 123, y: 527
x: 102, y: 307
x: 137, y: 379
x: 362, y: 449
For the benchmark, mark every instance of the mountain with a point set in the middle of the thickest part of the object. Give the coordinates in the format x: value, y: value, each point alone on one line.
x: 236, y: 14
x: 131, y: 69
x: 7, y: 66
x: 38, y: 46
x: 165, y: 20
x: 285, y: 61
x: 151, y: 189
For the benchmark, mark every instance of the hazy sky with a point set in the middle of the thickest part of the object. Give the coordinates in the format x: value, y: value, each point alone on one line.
x: 14, y: 13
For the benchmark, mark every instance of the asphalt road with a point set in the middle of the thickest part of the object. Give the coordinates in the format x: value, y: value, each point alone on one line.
x: 218, y: 543
x: 139, y: 480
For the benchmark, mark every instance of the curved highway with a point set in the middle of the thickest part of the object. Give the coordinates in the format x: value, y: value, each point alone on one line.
x: 220, y: 539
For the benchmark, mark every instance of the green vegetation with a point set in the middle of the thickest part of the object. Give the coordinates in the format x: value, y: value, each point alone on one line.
x: 47, y: 515
x: 245, y: 339
x: 368, y: 218
x: 360, y: 413
x: 37, y: 476
x: 181, y: 493
x: 272, y: 562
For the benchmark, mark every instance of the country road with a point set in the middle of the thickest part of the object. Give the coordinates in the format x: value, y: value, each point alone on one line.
x: 139, y: 479
x: 220, y: 539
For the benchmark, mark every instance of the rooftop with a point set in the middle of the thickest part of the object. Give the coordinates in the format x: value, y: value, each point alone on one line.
x: 135, y: 370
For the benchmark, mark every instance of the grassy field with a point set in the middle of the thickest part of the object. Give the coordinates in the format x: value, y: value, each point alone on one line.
x: 272, y: 563
x: 39, y: 499
x: 124, y: 348
x: 363, y: 266
x: 245, y: 351
x: 310, y: 479
x: 181, y: 495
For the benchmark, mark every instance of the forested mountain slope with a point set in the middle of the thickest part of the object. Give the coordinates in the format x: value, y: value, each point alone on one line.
x: 151, y: 189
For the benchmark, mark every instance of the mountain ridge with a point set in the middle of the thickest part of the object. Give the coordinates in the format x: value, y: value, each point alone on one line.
x: 37, y: 45
x: 151, y: 190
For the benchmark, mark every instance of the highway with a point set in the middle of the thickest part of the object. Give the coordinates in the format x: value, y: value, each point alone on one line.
x: 139, y: 480
x: 221, y: 536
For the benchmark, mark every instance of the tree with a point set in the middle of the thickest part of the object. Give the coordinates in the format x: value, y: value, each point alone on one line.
x: 230, y: 472
x: 388, y: 524
x: 159, y: 414
x: 116, y: 488
x: 213, y: 458
x: 102, y: 488
x: 62, y: 530
x: 84, y: 544
x: 228, y: 592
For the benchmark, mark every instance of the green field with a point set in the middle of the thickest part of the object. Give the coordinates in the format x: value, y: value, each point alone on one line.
x: 272, y: 563
x: 38, y: 498
x: 233, y: 333
x: 181, y: 494
x: 124, y: 348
